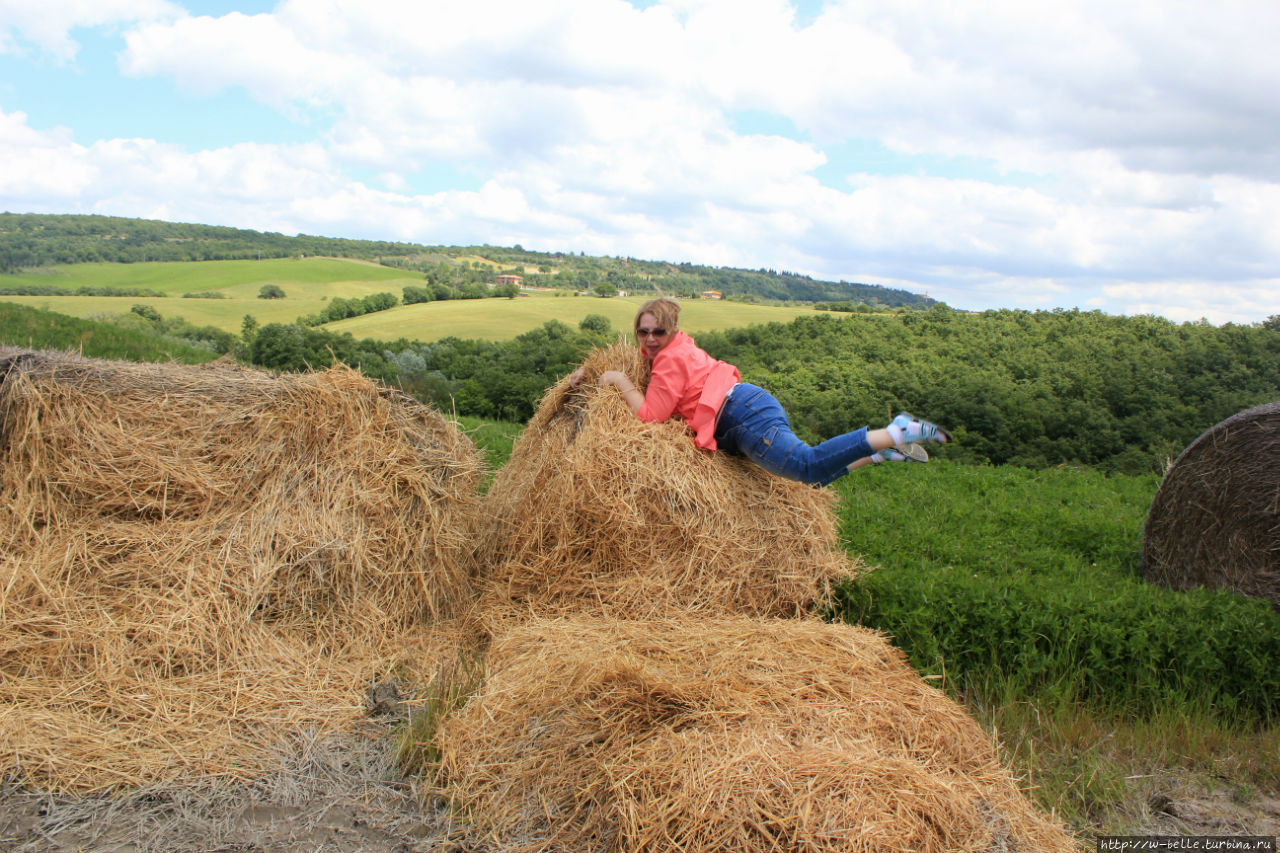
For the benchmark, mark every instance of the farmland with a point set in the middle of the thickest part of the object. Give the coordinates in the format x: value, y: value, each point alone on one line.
x: 503, y: 319
x: 309, y: 283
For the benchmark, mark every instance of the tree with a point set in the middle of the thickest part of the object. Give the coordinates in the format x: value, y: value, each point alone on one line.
x: 379, y: 302
x: 146, y: 312
x: 596, y: 323
x: 271, y: 291
x: 280, y: 346
x: 248, y: 328
x: 414, y: 295
x: 606, y: 290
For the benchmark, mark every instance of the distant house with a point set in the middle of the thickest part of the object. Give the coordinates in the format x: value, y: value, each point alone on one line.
x: 712, y: 294
x: 518, y: 281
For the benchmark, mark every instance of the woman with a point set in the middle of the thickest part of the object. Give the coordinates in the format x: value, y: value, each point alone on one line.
x: 727, y: 414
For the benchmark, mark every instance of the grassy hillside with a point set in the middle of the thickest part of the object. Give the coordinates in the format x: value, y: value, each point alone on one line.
x: 309, y: 283
x: 176, y: 278
x: 32, y: 328
x: 29, y: 241
x: 503, y: 319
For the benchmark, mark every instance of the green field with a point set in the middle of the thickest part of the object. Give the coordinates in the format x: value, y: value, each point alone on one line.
x: 310, y: 282
x: 307, y: 283
x: 503, y: 319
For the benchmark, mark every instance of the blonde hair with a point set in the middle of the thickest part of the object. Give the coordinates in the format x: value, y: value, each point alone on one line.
x: 665, y: 311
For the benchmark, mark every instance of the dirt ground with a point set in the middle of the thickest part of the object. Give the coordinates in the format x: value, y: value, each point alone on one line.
x: 336, y: 794
x: 1177, y: 805
x: 345, y: 794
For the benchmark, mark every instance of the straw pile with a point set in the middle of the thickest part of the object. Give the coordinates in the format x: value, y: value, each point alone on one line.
x: 598, y: 511
x: 198, y: 560
x: 1215, y: 521
x: 725, y: 734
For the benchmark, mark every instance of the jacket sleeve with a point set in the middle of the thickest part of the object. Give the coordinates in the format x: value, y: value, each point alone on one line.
x: 667, y: 381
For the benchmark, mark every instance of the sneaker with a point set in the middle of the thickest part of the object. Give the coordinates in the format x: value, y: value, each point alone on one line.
x: 912, y: 453
x: 914, y: 429
x: 905, y: 453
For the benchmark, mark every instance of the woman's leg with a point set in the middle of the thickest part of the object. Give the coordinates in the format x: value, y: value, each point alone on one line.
x: 754, y: 424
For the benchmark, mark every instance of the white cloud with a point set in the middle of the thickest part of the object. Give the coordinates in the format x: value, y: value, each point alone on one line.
x: 47, y: 25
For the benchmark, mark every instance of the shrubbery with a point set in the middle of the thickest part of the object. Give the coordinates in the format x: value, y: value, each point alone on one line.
x: 1026, y: 583
x: 21, y: 326
x: 289, y: 346
x: 28, y: 289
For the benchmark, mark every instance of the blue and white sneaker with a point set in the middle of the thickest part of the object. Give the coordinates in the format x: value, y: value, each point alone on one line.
x: 914, y: 429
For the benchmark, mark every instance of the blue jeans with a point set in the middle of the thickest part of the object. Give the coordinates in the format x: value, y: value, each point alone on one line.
x: 753, y: 424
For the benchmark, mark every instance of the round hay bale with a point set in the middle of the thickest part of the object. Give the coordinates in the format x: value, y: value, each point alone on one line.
x: 198, y: 560
x: 598, y: 511
x: 1215, y: 520
x: 703, y: 734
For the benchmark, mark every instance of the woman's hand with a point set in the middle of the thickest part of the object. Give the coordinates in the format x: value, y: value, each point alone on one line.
x: 617, y: 379
x: 630, y: 393
x: 576, y: 377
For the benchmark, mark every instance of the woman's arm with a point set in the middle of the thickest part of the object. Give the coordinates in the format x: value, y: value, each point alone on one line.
x: 630, y: 393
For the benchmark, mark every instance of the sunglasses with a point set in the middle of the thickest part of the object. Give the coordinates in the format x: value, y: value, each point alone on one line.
x: 644, y: 333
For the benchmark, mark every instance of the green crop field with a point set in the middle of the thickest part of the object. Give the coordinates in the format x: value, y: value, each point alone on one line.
x: 310, y: 282
x: 194, y: 276
x: 307, y: 284
x: 503, y: 319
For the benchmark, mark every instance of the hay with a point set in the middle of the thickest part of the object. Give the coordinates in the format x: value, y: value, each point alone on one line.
x: 598, y: 511
x: 725, y: 734
x: 198, y: 560
x: 1215, y: 521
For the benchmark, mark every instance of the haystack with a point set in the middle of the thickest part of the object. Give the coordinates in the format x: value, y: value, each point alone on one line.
x: 1215, y: 521
x: 598, y: 511
x: 593, y: 734
x: 197, y: 560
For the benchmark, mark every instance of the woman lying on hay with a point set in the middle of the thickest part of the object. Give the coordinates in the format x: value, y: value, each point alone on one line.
x: 741, y: 418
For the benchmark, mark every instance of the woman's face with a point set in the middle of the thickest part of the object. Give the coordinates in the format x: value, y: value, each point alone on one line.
x: 648, y: 337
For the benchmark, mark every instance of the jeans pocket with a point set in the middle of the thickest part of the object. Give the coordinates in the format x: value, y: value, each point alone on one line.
x: 763, y: 442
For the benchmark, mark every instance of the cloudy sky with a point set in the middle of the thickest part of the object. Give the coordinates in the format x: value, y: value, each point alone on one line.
x: 1120, y: 156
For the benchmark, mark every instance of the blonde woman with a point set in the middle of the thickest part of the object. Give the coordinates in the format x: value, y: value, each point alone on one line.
x: 738, y: 417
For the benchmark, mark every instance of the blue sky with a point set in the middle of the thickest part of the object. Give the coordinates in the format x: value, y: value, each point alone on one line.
x: 1037, y: 155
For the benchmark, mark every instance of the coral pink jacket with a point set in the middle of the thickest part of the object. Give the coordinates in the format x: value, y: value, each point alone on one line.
x: 684, y: 380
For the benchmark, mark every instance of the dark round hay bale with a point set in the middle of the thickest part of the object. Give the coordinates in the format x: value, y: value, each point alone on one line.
x: 1215, y: 521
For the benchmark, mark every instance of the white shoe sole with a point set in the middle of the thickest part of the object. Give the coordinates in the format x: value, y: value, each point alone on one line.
x: 913, y: 452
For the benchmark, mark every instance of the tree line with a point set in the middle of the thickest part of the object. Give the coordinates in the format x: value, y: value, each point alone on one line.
x: 34, y: 240
x: 1033, y: 389
x: 1026, y: 388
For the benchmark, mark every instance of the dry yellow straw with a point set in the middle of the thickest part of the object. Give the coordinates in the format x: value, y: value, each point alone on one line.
x: 598, y: 511
x: 701, y: 734
x: 198, y: 560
